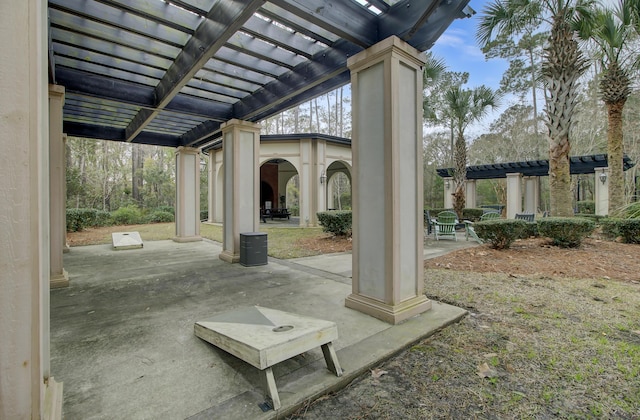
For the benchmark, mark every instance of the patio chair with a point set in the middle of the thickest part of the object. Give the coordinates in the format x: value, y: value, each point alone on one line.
x: 469, y: 231
x: 527, y: 217
x: 445, y: 225
x: 428, y: 223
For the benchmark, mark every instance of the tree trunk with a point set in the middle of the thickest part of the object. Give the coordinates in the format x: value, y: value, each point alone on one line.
x: 341, y: 134
x: 560, y: 177
x: 137, y: 166
x: 533, y: 93
x: 615, y: 152
x: 460, y: 174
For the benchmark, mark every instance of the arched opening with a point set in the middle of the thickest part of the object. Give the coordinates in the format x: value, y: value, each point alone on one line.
x: 279, y: 187
x: 339, y: 186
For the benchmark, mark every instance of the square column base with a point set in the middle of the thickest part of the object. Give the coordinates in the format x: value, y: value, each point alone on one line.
x: 184, y: 239
x: 229, y: 257
x: 59, y: 281
x: 392, y: 314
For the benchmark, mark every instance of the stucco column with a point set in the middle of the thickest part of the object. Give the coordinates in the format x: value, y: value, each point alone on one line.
x: 187, y: 195
x: 602, y: 191
x: 470, y: 193
x: 448, y: 192
x: 241, y: 148
x: 386, y: 85
x: 514, y: 195
x: 58, y: 277
x: 215, y: 186
x: 531, y: 194
x: 24, y: 188
x: 308, y: 187
x: 321, y: 189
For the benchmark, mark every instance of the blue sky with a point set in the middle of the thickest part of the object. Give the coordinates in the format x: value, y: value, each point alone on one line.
x: 458, y: 47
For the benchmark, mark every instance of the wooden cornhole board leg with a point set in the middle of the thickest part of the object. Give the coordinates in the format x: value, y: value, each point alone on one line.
x: 271, y: 389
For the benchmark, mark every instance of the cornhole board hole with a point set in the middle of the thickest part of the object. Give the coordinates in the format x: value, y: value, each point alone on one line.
x: 126, y: 240
x: 263, y: 337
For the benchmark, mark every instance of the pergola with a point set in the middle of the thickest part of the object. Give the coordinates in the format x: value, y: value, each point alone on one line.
x: 181, y: 73
x: 170, y: 72
x: 530, y: 170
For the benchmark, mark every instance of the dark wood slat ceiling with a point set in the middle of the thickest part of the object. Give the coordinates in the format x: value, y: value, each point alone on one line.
x: 169, y: 72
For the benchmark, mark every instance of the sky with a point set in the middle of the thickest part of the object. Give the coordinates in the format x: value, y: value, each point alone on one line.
x: 458, y: 47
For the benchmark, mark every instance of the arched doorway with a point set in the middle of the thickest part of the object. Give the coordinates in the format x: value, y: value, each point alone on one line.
x: 276, y: 190
x: 339, y: 186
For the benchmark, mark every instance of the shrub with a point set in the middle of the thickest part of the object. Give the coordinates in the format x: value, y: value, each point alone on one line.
x: 530, y: 230
x: 79, y: 219
x: 159, y: 217
x: 166, y: 209
x: 472, y: 214
x: 500, y: 233
x: 595, y: 217
x: 627, y: 229
x: 102, y: 218
x: 566, y: 232
x: 337, y: 222
x: 586, y: 207
x: 204, y: 215
x: 128, y: 215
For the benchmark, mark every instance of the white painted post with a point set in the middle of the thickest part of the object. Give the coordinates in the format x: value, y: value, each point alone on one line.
x: 187, y: 195
x: 602, y: 191
x: 24, y: 206
x: 58, y: 238
x: 514, y: 195
x: 386, y: 84
x: 531, y: 194
x: 470, y: 193
x: 448, y: 192
x: 241, y: 148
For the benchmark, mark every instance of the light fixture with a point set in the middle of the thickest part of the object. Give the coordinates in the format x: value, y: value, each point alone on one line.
x: 323, y: 177
x: 603, y: 177
x: 447, y: 184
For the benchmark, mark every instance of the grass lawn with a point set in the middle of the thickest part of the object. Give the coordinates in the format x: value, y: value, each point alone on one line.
x: 283, y: 242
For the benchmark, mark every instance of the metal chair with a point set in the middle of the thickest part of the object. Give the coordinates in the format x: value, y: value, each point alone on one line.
x: 428, y: 223
x: 527, y: 217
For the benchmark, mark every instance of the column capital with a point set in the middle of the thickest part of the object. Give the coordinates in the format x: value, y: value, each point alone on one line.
x: 188, y: 150
x: 377, y: 52
x: 56, y: 90
x: 236, y: 123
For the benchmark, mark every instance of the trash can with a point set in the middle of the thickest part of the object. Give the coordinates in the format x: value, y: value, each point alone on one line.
x: 253, y: 249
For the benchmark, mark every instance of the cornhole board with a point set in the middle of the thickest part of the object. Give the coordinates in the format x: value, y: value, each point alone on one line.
x: 126, y: 240
x: 263, y: 337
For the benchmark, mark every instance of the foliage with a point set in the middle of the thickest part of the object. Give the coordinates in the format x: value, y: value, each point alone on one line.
x: 530, y: 230
x: 204, y: 214
x: 80, y: 219
x: 586, y: 207
x: 472, y: 214
x: 166, y: 209
x: 566, y: 232
x: 102, y: 218
x: 127, y: 215
x: 336, y: 222
x: 159, y: 217
x: 630, y: 211
x: 627, y: 229
x: 500, y: 233
x: 595, y: 217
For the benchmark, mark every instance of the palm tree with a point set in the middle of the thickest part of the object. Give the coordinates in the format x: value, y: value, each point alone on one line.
x: 563, y: 64
x: 465, y: 106
x: 613, y: 31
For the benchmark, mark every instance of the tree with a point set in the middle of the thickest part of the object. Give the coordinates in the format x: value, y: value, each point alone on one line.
x: 466, y: 106
x: 613, y: 31
x: 562, y: 66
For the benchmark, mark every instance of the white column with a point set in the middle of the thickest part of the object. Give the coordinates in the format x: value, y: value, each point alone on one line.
x: 241, y: 148
x: 514, y: 195
x: 602, y: 191
x: 531, y: 194
x: 386, y: 85
x: 211, y: 187
x: 58, y: 275
x: 321, y: 191
x: 307, y: 181
x: 448, y: 192
x: 187, y: 195
x: 470, y: 193
x: 219, y: 187
x: 24, y: 206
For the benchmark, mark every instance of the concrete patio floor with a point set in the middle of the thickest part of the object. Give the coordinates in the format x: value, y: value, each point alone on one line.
x: 122, y: 337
